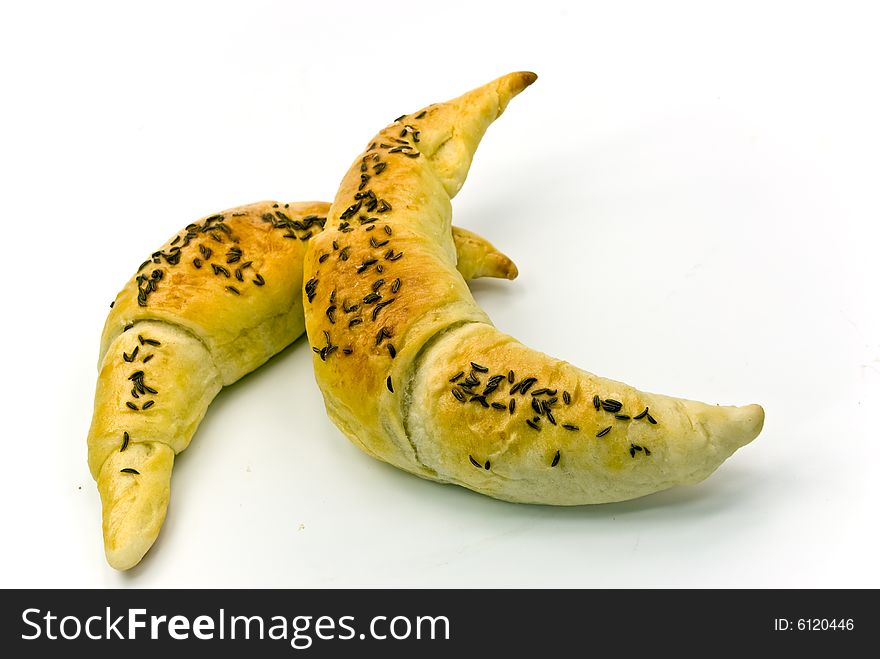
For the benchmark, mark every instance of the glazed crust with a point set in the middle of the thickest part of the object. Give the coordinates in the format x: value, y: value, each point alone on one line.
x: 214, y: 303
x: 439, y: 404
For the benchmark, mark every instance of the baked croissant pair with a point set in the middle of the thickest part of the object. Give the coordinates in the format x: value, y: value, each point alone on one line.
x: 411, y: 369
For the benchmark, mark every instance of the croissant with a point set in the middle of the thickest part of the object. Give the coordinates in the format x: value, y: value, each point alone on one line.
x: 415, y: 374
x: 214, y: 303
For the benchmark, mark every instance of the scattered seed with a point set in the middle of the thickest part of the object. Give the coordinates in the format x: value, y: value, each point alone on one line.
x: 603, y: 432
x: 131, y: 405
x: 611, y: 405
x: 569, y: 426
x: 457, y: 393
x: 129, y: 470
x: 532, y: 424
x: 475, y: 463
x: 125, y: 438
x: 388, y: 384
x: 566, y: 398
x: 456, y: 376
x: 555, y: 460
x: 511, y: 405
x: 597, y: 402
x: 149, y: 404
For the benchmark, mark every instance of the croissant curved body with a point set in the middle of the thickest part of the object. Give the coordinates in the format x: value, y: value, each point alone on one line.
x: 415, y: 374
x: 214, y: 303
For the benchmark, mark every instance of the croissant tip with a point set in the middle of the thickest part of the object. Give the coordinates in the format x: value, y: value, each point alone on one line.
x: 518, y: 81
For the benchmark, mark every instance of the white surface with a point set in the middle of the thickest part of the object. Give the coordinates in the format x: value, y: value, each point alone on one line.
x: 691, y: 195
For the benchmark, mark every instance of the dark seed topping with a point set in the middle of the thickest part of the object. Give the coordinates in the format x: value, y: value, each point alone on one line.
x: 499, y: 406
x: 130, y: 358
x: 233, y: 289
x: 622, y: 417
x: 378, y: 284
x: 569, y: 426
x: 387, y: 229
x: 366, y: 264
x: 597, y: 402
x: 647, y: 452
x: 371, y: 298
x: 238, y: 274
x: 457, y: 393
x: 510, y: 377
x: 388, y: 384
x: 310, y: 286
x: 323, y: 257
x: 384, y: 206
x: 479, y: 367
x: 479, y: 399
x: 456, y: 376
x: 197, y: 262
x: 331, y: 313
x: 129, y: 470
x: 539, y: 392
x: 382, y: 334
x: 350, y: 211
x: 395, y: 286
x: 147, y: 358
x: 355, y: 321
x: 536, y: 406
x: 532, y: 424
x: 343, y: 255
x: 391, y: 256
x: 611, y: 405
x: 566, y: 398
x: 550, y: 416
x: 555, y: 460
x: 125, y: 438
x: 131, y: 405
x: 603, y: 432
x: 511, y: 405
x: 526, y: 384
x: 347, y: 351
x: 475, y: 463
x: 381, y: 306
x: 149, y: 404
x: 259, y: 281
x: 233, y: 255
x: 392, y: 350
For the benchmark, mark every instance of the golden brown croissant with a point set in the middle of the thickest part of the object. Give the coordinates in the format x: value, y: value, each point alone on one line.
x: 414, y: 373
x: 214, y: 303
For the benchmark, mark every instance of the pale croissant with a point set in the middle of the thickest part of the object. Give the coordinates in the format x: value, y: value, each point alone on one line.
x: 414, y: 373
x: 214, y: 303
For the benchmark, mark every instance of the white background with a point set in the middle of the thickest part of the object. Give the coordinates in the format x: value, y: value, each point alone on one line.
x: 690, y: 191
